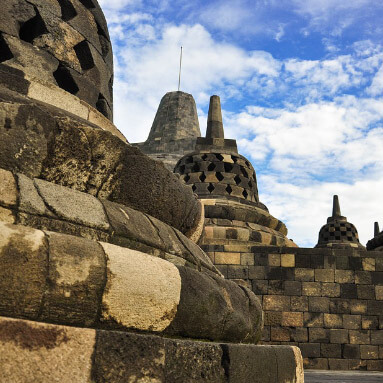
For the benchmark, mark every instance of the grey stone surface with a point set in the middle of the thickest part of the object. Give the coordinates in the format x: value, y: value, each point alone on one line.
x: 89, y: 210
x: 342, y: 377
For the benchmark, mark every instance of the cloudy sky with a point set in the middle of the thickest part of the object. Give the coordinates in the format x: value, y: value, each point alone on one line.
x: 301, y: 86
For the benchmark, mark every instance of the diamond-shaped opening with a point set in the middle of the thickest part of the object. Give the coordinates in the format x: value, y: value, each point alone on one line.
x: 84, y: 55
x: 342, y: 224
x: 189, y: 160
x: 247, y: 163
x: 244, y: 172
x: 102, y: 105
x: 237, y: 179
x: 5, y: 52
x: 187, y: 178
x: 229, y: 189
x: 219, y: 176
x: 68, y: 12
x: 211, y: 167
x: 210, y: 188
x: 202, y: 177
x: 104, y: 40
x: 337, y: 237
x: 219, y: 157
x: 88, y: 4
x: 204, y: 157
x: 194, y: 188
x: 349, y: 238
x: 65, y: 79
x: 234, y: 158
x: 245, y: 193
x: 196, y: 168
x: 228, y: 167
x: 250, y: 184
x: 33, y: 28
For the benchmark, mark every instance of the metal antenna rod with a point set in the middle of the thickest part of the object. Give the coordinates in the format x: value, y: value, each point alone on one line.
x: 179, y: 77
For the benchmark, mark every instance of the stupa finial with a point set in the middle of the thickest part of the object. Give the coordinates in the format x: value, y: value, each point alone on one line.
x: 214, y: 120
x: 376, y: 229
x: 336, y: 207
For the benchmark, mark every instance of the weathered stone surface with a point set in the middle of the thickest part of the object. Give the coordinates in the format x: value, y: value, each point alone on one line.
x: 37, y: 352
x: 215, y: 309
x: 141, y: 292
x: 123, y: 357
x: 76, y: 281
x: 14, y: 13
x: 89, y: 210
x: 8, y: 189
x: 23, y: 271
x: 193, y: 362
x: 6, y: 215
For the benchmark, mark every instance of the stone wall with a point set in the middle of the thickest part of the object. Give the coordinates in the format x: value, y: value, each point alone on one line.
x: 329, y: 302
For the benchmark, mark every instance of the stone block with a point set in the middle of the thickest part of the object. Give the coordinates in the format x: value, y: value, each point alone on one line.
x: 331, y: 290
x: 8, y: 188
x: 315, y: 363
x: 257, y: 272
x: 344, y: 276
x: 348, y: 290
x: 331, y: 350
x: 292, y: 319
x: 276, y: 303
x: 368, y: 264
x: 357, y: 364
x: 299, y: 334
x: 370, y: 322
x: 247, y: 259
x: 333, y: 320
x: 39, y: 352
x: 379, y: 293
x: 324, y: 275
x: 279, y: 334
x: 359, y: 336
x: 292, y: 288
x: 77, y: 280
x: 369, y: 352
x: 299, y: 303
x: 310, y: 350
x: 375, y: 365
x: 342, y: 262
x: 313, y: 319
x: 227, y: 258
x: 260, y: 287
x: 288, y: 260
x: 237, y: 272
x: 319, y: 304
x: 366, y: 291
x: 339, y: 306
x: 23, y: 271
x: 272, y: 318
x: 352, y: 322
x: 358, y: 307
x: 275, y: 287
x: 338, y: 364
x: 306, y: 275
x: 363, y: 277
x: 373, y: 307
x: 88, y: 210
x: 319, y: 335
x: 274, y: 260
x: 377, y: 337
x: 6, y: 215
x: 338, y: 336
x: 351, y: 351
x: 311, y: 289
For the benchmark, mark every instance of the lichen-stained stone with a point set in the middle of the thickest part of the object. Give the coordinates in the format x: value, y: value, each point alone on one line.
x: 23, y: 271
x: 215, y: 309
x: 6, y: 215
x: 13, y: 13
x: 131, y: 224
x: 88, y: 209
x: 263, y: 364
x: 193, y: 362
x: 29, y: 199
x: 39, y: 352
x: 141, y: 292
x: 77, y: 280
x: 123, y: 357
x: 8, y: 188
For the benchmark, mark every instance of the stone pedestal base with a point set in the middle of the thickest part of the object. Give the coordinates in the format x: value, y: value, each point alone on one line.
x: 39, y: 352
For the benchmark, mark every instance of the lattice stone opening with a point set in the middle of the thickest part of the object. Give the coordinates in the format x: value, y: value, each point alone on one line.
x: 210, y: 188
x: 219, y: 176
x: 68, y: 11
x: 33, y: 28
x: 65, y: 80
x: 5, y: 51
x: 84, y: 55
x: 88, y: 4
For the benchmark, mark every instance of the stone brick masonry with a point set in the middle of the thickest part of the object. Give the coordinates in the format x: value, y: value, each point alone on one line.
x: 327, y: 302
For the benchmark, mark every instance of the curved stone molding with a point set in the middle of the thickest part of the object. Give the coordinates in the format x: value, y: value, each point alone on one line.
x: 41, y: 141
x: 44, y: 205
x: 63, y: 279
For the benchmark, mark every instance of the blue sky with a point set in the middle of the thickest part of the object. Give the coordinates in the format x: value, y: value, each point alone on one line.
x: 301, y: 86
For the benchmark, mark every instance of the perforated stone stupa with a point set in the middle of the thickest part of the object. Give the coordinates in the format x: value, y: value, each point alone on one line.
x: 337, y: 232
